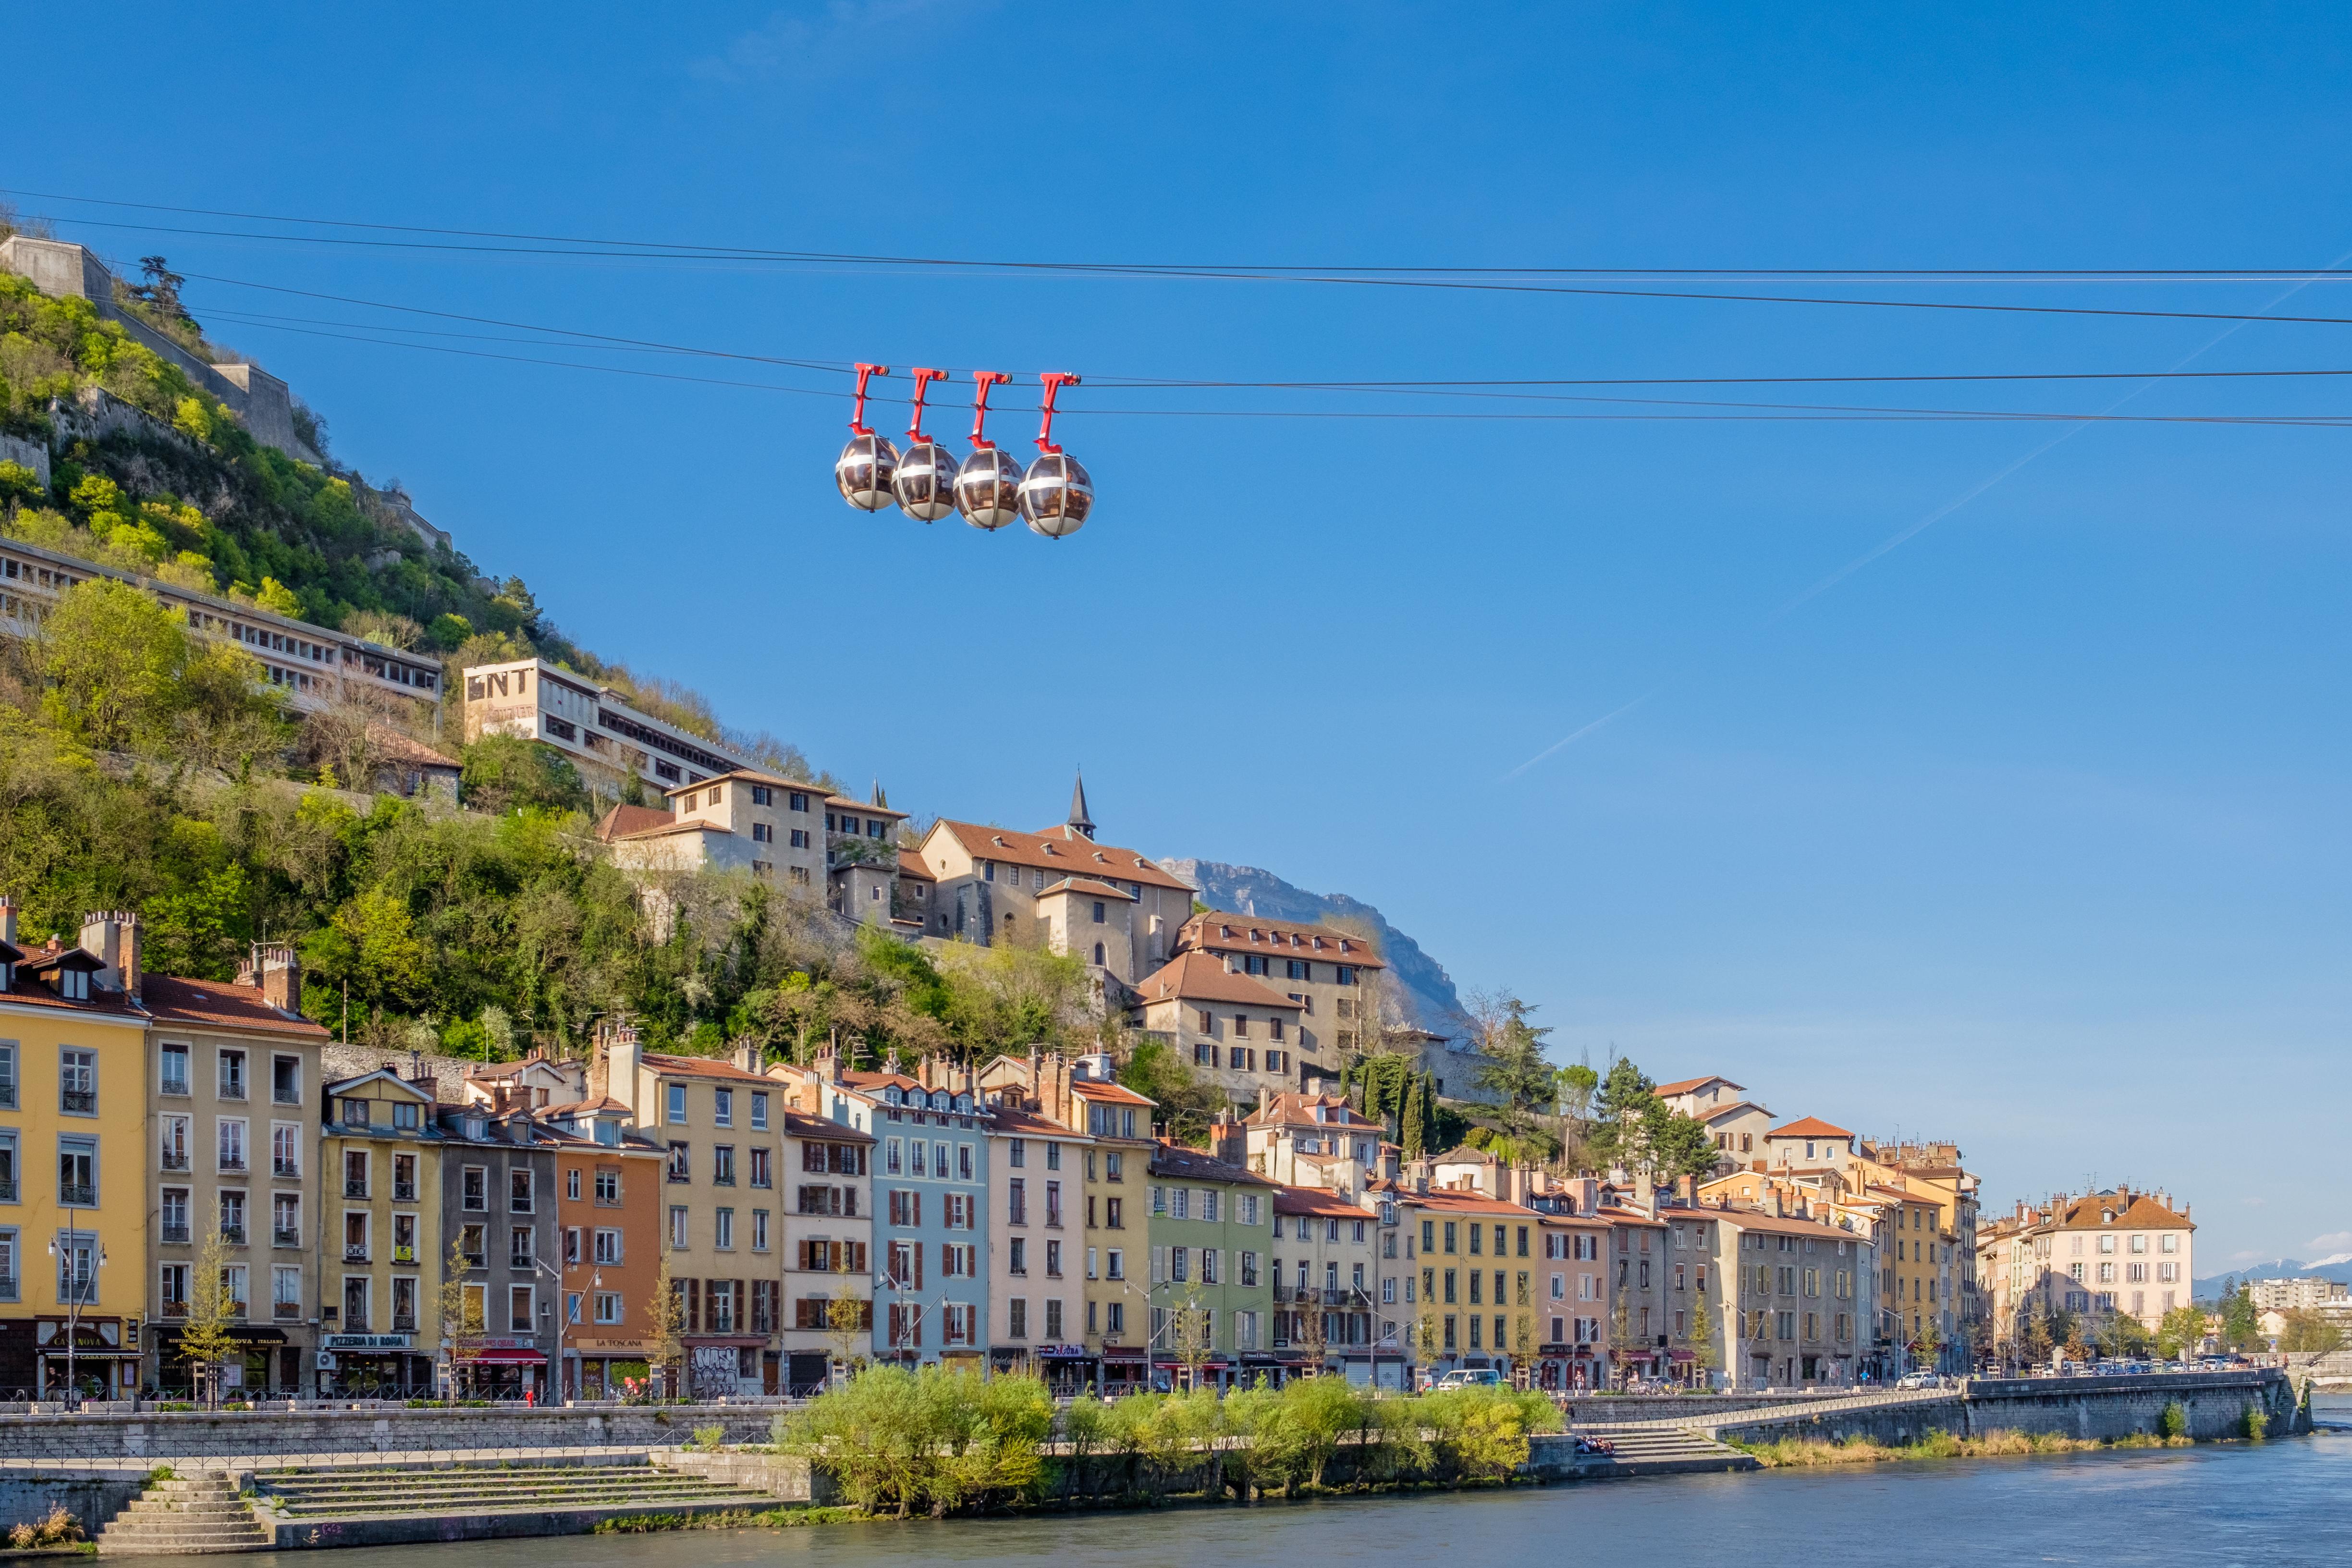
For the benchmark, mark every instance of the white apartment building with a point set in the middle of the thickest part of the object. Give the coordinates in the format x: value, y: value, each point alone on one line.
x: 593, y: 725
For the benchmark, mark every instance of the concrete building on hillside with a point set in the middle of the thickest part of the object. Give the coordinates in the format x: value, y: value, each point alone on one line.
x: 594, y: 726
x: 1238, y: 1033
x: 1738, y: 1125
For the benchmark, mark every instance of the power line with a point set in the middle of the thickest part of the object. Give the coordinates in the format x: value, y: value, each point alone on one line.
x: 1348, y: 278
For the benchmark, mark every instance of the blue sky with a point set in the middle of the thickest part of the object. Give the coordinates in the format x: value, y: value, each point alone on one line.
x: 2027, y: 833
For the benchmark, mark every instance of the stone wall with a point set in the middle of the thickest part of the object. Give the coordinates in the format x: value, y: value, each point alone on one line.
x: 160, y: 1436
x: 32, y: 454
x: 93, y: 1498
x: 2100, y: 1409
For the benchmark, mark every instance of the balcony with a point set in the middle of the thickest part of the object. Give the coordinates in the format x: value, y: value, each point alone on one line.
x: 8, y: 1190
x: 235, y: 1309
x: 286, y: 1094
x: 355, y: 1252
x: 176, y: 1309
x: 1311, y: 1296
x: 233, y: 1234
x: 403, y: 1254
x: 78, y: 1194
x: 477, y: 1260
x: 354, y: 1322
x: 522, y: 1260
x: 404, y: 1322
x: 175, y: 1160
x: 174, y: 1235
x: 289, y: 1170
x: 233, y: 1164
x: 403, y: 1191
x: 82, y: 1102
x: 286, y: 1235
x: 286, y: 1311
x: 354, y: 1189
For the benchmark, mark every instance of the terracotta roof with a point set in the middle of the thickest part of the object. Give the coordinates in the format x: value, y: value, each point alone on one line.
x: 911, y: 865
x: 1319, y: 1201
x: 595, y: 1106
x: 800, y: 1124
x: 32, y: 992
x: 1104, y: 1089
x: 1057, y: 852
x: 622, y: 820
x: 1224, y: 931
x: 1027, y: 1124
x: 879, y: 1080
x: 1684, y: 1086
x: 1203, y: 977
x: 1809, y: 1126
x: 395, y: 747
x: 1778, y: 1225
x: 1086, y: 885
x: 704, y: 1067
x: 1446, y: 1202
x: 2141, y: 1213
x: 1195, y: 1165
x: 171, y: 1000
x: 667, y: 828
x: 1717, y: 1113
x: 1294, y: 1109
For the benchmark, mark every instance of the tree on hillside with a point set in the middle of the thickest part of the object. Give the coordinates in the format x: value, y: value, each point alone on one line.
x: 1413, y: 1132
x: 1513, y: 1048
x: 122, y: 673
x: 2242, y: 1320
x: 1185, y: 1104
x: 502, y: 773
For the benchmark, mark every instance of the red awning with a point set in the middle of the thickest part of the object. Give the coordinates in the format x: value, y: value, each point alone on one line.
x: 1681, y: 1355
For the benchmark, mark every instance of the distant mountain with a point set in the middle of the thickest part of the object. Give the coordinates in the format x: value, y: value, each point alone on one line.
x: 2338, y: 1268
x: 1426, y: 988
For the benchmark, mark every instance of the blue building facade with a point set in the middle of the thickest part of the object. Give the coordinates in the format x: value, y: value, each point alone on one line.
x: 931, y: 1219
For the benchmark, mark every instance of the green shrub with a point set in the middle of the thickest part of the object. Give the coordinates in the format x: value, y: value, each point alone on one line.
x: 2256, y: 1424
x: 930, y: 1440
x: 710, y: 1439
x: 2173, y: 1420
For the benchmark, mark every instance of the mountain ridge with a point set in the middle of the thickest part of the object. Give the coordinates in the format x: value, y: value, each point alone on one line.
x: 1426, y: 987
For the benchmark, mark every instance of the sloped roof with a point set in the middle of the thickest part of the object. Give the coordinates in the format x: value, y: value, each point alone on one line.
x: 911, y: 865
x: 1317, y: 1200
x: 1087, y: 886
x: 1203, y: 977
x: 1107, y: 1091
x: 392, y: 746
x: 171, y: 1000
x: 2141, y: 1213
x: 704, y: 1067
x: 623, y: 820
x: 1685, y: 1086
x: 1809, y: 1126
x: 1055, y: 851
x: 1224, y: 931
x: 1195, y: 1165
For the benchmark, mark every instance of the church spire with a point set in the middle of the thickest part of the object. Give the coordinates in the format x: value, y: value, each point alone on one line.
x: 1081, y: 825
x: 879, y: 798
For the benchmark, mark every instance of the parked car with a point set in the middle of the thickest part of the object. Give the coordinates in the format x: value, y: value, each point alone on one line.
x: 1471, y: 1377
x: 1917, y: 1380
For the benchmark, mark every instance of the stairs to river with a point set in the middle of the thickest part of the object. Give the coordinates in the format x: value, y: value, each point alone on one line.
x: 186, y: 1515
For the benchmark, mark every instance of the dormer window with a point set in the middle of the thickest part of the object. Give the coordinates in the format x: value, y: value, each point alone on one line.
x: 608, y: 1132
x: 73, y: 984
x: 891, y: 1094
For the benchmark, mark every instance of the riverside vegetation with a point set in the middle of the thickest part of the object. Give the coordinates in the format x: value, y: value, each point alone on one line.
x: 935, y: 1442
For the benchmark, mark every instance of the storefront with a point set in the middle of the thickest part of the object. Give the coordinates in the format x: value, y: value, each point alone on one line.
x: 502, y: 1369
x: 375, y: 1366
x: 102, y: 1356
x: 1068, y: 1369
x: 266, y: 1365
x: 724, y: 1365
x: 606, y: 1368
x: 1213, y: 1371
x: 1123, y: 1369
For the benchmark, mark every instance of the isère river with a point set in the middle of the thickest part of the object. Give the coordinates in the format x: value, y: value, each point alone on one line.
x: 2263, y: 1505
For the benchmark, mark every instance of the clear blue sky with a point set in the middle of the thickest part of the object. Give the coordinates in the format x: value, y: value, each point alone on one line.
x: 2029, y: 832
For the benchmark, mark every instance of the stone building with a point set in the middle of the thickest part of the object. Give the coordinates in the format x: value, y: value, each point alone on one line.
x: 1319, y: 969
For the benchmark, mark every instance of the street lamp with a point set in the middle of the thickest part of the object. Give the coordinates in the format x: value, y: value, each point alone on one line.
x: 78, y: 1289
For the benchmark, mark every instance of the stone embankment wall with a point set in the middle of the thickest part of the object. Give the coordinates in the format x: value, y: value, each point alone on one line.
x: 160, y: 1436
x: 92, y: 1497
x: 2095, y: 1409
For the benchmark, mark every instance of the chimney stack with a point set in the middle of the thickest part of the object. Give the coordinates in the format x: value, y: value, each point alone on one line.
x: 8, y: 919
x: 113, y: 936
x: 747, y: 1056
x: 279, y: 972
x: 622, y: 1056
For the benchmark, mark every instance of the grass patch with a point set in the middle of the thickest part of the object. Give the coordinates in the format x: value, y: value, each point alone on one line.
x: 1798, y: 1452
x: 731, y: 1519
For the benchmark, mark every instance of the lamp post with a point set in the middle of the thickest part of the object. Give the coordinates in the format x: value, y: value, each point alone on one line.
x: 563, y: 1313
x: 78, y: 1286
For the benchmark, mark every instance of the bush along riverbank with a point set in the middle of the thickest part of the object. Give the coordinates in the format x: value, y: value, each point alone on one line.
x: 2171, y: 1432
x: 936, y: 1443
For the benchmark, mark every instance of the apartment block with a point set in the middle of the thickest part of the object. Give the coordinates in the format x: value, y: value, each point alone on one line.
x: 1038, y: 1259
x: 606, y: 738
x: 1321, y: 969
x: 234, y: 1102
x: 608, y: 1213
x: 1238, y: 1033
x: 381, y: 1241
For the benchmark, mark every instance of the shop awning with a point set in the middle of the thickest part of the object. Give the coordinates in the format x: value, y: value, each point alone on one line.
x: 505, y: 1358
x: 1681, y: 1355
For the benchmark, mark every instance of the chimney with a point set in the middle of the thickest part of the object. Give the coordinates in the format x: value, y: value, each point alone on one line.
x: 747, y: 1056
x: 8, y: 919
x: 623, y: 1056
x: 111, y: 936
x: 279, y: 974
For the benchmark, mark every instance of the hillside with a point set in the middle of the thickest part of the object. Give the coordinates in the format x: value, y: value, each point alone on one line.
x: 1250, y: 889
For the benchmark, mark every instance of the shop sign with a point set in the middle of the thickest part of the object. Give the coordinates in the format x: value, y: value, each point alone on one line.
x: 366, y: 1341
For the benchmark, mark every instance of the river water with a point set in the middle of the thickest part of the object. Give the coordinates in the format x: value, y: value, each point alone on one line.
x: 2264, y: 1505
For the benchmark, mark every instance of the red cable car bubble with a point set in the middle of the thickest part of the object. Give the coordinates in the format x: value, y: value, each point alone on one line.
x: 1055, y: 493
x: 867, y: 466
x: 926, y: 481
x: 988, y: 486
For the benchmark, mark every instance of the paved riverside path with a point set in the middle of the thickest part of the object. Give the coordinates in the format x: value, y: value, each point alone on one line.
x: 1795, y: 1410
x: 441, y: 1458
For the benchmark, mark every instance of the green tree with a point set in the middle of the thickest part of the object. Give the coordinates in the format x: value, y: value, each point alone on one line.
x: 1672, y: 1145
x: 502, y: 773
x: 665, y: 1314
x: 1513, y: 1048
x: 371, y: 944
x: 2180, y: 1331
x: 1185, y: 1104
x: 113, y: 657
x: 206, y: 1342
x: 2307, y: 1330
x: 462, y: 1328
x: 279, y: 599
x: 2242, y: 1320
x: 1414, y: 1133
x: 1625, y: 1095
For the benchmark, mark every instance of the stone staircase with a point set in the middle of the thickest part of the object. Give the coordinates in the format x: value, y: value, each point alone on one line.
x: 201, y: 1512
x: 356, y: 1505
x: 1659, y: 1451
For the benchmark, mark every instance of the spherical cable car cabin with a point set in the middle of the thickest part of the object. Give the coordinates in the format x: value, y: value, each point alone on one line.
x: 869, y: 463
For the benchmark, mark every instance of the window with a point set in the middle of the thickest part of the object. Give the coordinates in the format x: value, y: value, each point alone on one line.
x: 286, y: 1149
x: 172, y: 1080
x: 722, y: 1108
x: 722, y: 1231
x: 763, y: 834
x: 77, y: 1082
x: 760, y: 1110
x: 677, y: 1226
x: 474, y: 1188
x: 518, y: 1309
x: 608, y: 1305
x: 608, y: 1188
x: 682, y: 1159
x: 232, y: 1075
x: 286, y: 1080
x: 77, y: 1172
x: 286, y: 1219
x: 403, y: 1178
x: 230, y: 1142
x: 677, y: 1111
x: 722, y: 1165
